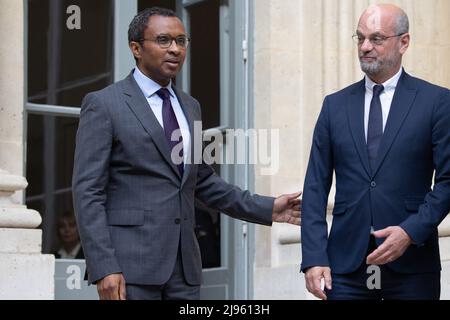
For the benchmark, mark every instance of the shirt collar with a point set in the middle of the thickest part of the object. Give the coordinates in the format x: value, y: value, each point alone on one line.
x: 389, y: 85
x: 148, y: 86
x: 64, y: 254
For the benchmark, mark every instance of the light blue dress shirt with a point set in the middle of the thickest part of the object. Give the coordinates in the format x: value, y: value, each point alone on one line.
x: 149, y: 89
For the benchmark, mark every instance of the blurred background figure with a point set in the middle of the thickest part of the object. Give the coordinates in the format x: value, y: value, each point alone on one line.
x: 69, y: 239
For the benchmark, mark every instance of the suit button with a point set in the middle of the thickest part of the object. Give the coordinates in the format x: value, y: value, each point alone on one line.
x: 373, y: 184
x: 177, y: 221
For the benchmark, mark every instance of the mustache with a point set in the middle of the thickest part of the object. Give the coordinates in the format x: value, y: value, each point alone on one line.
x: 367, y: 56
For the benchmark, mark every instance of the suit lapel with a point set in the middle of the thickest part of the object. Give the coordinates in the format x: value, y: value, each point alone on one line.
x: 189, y: 114
x: 355, y: 115
x: 400, y: 107
x: 139, y: 106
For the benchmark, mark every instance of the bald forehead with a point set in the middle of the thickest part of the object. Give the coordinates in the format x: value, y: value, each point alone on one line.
x: 380, y: 18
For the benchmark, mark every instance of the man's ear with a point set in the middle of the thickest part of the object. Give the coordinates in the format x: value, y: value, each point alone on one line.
x: 135, y: 48
x: 404, y: 43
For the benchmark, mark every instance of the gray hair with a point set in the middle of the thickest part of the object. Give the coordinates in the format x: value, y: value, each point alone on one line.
x: 402, y: 23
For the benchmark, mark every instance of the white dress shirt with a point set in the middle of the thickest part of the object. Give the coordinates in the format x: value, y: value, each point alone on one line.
x: 386, y: 101
x: 63, y: 254
x: 385, y: 97
x: 149, y: 89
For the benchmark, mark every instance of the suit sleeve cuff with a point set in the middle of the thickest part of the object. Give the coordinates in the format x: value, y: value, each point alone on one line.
x: 416, y: 235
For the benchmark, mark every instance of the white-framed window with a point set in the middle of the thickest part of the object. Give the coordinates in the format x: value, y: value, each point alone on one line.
x: 69, y: 53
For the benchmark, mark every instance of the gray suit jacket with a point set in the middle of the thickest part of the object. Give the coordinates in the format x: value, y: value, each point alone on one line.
x: 132, y: 206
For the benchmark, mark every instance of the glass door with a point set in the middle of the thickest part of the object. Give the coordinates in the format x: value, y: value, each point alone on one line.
x: 66, y: 63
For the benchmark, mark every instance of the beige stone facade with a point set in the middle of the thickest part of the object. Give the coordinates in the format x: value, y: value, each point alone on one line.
x: 303, y: 52
x: 11, y: 86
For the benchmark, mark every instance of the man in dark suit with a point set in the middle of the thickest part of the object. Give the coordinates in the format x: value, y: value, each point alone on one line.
x: 134, y: 182
x: 384, y: 137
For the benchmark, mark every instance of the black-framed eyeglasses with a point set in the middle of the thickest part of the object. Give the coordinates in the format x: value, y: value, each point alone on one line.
x: 165, y: 41
x: 376, y: 40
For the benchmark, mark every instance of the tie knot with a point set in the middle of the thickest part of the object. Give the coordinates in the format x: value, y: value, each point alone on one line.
x: 163, y: 93
x: 378, y: 89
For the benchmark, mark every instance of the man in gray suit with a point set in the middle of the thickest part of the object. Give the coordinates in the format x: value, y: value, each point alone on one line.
x: 134, y: 202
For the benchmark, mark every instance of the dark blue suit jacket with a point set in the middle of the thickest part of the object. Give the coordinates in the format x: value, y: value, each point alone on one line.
x: 397, y: 192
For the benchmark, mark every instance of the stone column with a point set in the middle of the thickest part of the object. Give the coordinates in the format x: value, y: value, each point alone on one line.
x: 12, y: 67
x: 24, y: 272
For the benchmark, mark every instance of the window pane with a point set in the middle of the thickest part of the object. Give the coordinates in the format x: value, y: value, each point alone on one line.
x: 66, y: 129
x: 207, y: 230
x: 207, y: 227
x: 35, y: 159
x: 169, y: 4
x: 63, y: 64
x: 67, y: 237
x: 205, y: 59
x: 50, y: 152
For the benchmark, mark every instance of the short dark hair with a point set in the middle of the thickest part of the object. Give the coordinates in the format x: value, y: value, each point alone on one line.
x: 140, y: 22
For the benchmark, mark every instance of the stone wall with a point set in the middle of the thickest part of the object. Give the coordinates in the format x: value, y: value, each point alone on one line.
x: 11, y: 86
x: 304, y: 51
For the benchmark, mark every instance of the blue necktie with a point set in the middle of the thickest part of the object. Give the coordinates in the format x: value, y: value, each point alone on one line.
x: 170, y: 123
x: 375, y: 128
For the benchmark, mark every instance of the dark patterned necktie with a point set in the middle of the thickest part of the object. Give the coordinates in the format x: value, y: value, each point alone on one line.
x: 170, y: 123
x: 375, y: 128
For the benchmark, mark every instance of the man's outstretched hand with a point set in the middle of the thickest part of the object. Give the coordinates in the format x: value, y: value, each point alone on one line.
x: 287, y: 209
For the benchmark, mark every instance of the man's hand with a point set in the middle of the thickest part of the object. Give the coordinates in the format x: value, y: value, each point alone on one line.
x: 395, y: 245
x: 287, y: 209
x: 112, y: 287
x: 314, y: 277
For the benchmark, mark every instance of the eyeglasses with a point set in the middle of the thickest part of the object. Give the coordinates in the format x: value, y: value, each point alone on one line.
x: 376, y: 40
x: 165, y: 41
